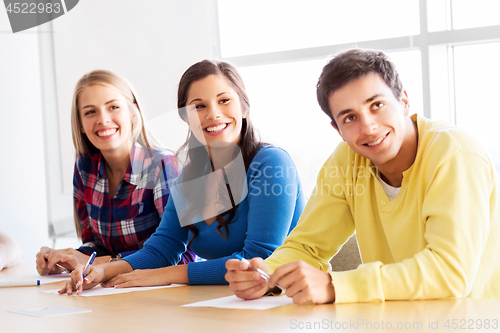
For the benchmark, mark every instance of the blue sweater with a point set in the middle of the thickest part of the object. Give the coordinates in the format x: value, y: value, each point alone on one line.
x: 263, y: 219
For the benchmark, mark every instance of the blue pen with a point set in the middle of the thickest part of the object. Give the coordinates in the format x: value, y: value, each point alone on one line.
x: 91, y: 260
x: 258, y: 270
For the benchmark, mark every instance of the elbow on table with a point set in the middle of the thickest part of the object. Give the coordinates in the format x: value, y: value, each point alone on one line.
x: 460, y: 285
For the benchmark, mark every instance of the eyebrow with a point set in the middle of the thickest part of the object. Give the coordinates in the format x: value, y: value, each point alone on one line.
x: 368, y: 100
x: 90, y: 106
x: 199, y: 99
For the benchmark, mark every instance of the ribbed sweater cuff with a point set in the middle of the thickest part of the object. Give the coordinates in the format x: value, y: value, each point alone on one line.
x: 207, y: 272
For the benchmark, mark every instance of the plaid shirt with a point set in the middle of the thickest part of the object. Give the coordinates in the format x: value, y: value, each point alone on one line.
x: 120, y: 225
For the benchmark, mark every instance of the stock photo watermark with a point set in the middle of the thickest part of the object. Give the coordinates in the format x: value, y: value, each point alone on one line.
x: 25, y: 14
x: 413, y: 326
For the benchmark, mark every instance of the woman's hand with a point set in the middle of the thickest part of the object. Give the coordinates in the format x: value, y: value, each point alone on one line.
x: 95, y: 275
x: 244, y: 281
x: 142, y: 278
x: 41, y: 264
x: 48, y: 259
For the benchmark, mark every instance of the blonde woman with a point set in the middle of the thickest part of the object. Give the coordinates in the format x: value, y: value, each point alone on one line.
x: 120, y: 178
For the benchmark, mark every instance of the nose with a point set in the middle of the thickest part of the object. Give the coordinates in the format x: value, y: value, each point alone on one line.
x: 213, y: 111
x: 104, y: 117
x: 368, y: 124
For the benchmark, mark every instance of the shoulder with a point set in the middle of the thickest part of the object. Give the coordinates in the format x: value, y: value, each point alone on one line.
x: 272, y: 155
x: 344, y: 155
x: 155, y: 158
x: 441, y: 139
x: 165, y: 162
x: 273, y: 162
x: 156, y: 154
x: 164, y: 155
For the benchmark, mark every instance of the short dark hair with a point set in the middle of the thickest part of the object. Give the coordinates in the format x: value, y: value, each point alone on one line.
x: 350, y: 65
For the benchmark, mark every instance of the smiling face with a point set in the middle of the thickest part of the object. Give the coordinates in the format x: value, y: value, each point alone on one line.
x: 214, y: 111
x: 374, y: 123
x: 106, y: 119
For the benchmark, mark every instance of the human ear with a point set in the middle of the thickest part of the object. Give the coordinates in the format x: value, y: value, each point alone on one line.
x: 406, y: 102
x: 338, y: 131
x: 133, y: 113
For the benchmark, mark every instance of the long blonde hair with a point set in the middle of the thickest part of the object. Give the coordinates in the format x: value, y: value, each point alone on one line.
x: 140, y: 132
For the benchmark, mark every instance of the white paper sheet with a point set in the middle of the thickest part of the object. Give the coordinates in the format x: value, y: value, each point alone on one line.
x: 233, y: 302
x: 43, y: 278
x: 101, y: 291
x: 50, y: 311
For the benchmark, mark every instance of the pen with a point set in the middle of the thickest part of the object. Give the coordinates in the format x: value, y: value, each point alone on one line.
x: 91, y: 260
x: 20, y: 283
x: 258, y: 270
x: 61, y: 267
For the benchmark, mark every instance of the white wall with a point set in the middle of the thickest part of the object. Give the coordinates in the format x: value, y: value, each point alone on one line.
x: 23, y: 199
x: 150, y: 42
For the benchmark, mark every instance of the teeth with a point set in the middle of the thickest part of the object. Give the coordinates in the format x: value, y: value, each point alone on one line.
x: 371, y: 144
x: 216, y: 128
x: 107, y: 132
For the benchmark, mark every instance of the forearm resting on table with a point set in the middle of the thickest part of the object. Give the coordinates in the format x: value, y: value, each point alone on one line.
x: 112, y: 269
x: 177, y: 274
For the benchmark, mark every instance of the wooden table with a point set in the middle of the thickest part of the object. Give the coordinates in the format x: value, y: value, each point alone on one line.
x: 160, y: 311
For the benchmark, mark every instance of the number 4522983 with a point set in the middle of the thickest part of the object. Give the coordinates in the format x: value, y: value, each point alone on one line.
x: 33, y: 8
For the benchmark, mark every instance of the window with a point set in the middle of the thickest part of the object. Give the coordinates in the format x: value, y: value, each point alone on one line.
x: 445, y: 50
x: 461, y: 14
x: 283, y: 108
x: 285, y: 111
x: 477, y: 13
x: 261, y: 26
x: 476, y: 75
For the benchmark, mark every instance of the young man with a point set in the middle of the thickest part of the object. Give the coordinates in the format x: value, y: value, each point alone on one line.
x: 422, y: 196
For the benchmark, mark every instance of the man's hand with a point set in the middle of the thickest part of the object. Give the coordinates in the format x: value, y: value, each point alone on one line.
x: 304, y: 283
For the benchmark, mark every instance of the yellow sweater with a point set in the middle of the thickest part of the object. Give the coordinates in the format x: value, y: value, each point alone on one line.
x: 438, y: 238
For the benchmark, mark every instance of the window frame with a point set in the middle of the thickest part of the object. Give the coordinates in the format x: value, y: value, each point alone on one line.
x: 445, y: 40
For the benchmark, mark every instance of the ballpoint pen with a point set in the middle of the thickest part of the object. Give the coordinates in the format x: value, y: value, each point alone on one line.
x: 258, y: 270
x: 91, y: 260
x: 65, y: 270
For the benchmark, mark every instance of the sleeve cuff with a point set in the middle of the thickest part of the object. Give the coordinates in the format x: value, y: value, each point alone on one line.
x: 360, y: 285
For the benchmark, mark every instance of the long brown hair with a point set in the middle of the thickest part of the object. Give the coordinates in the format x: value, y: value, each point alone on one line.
x: 249, y: 143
